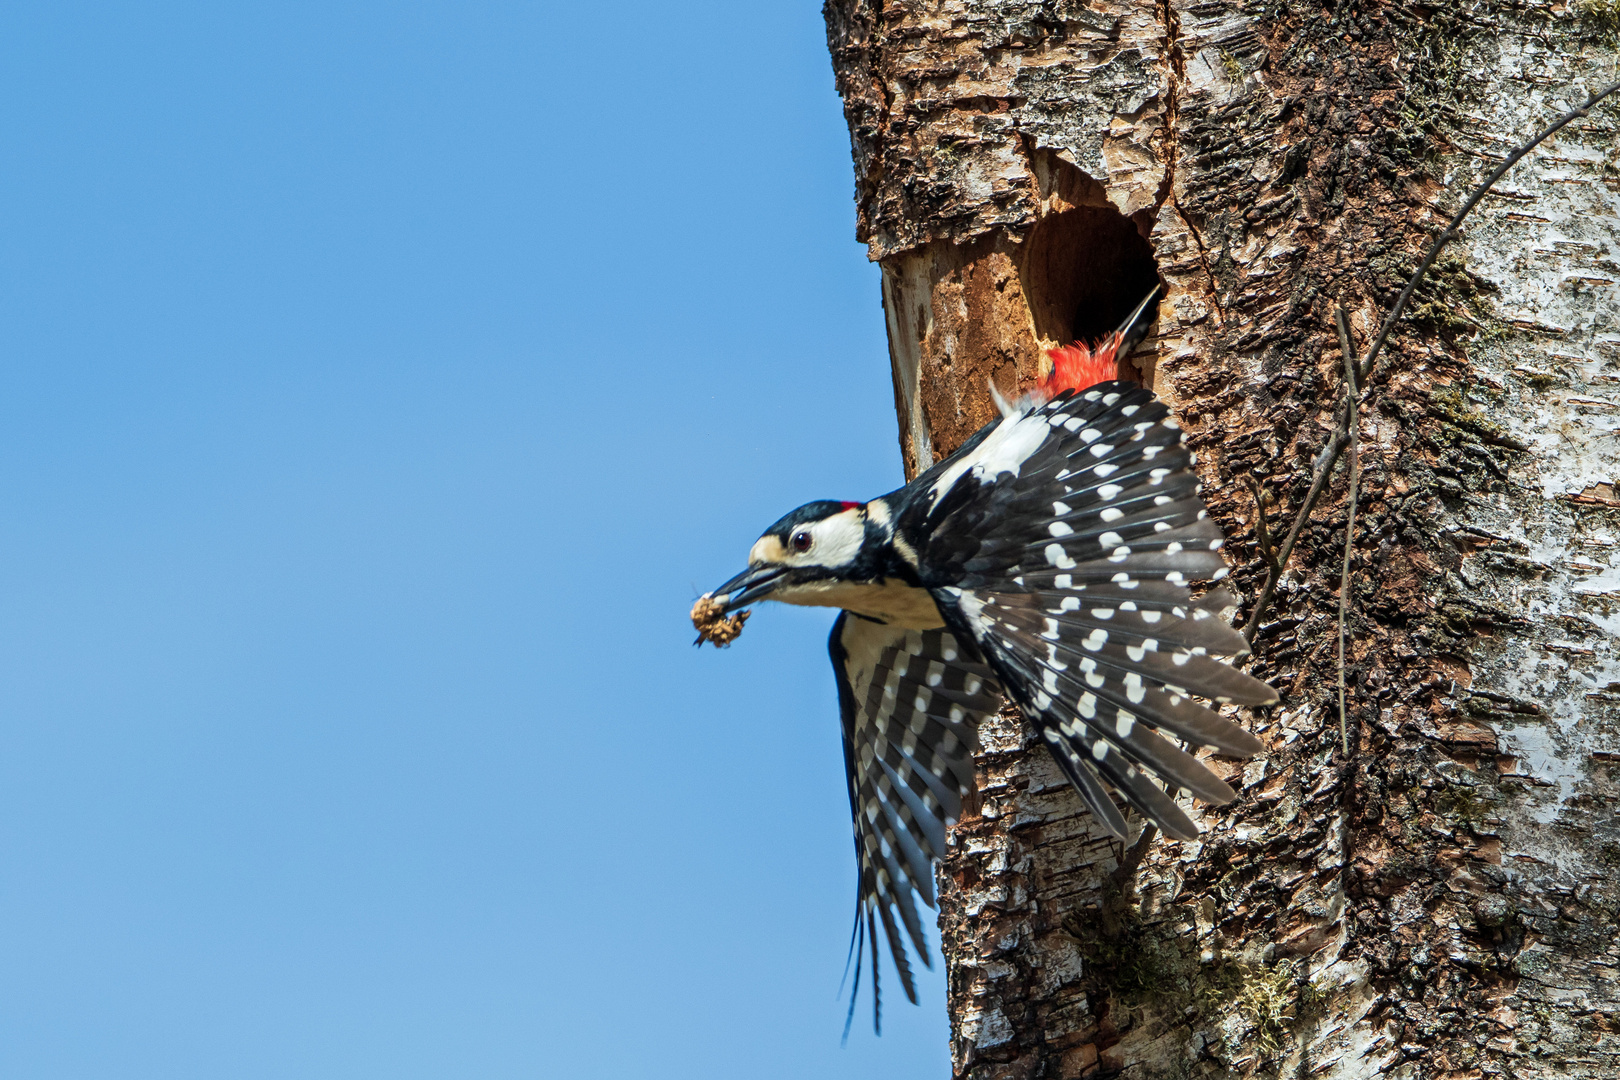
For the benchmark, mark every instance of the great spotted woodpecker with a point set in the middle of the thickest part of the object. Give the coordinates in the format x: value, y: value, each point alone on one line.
x: 1047, y: 561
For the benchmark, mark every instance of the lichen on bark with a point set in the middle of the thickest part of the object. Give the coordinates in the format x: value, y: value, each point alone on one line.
x: 1441, y: 902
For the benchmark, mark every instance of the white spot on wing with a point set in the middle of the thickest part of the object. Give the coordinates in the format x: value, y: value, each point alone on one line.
x: 1093, y: 676
x: 1134, y: 690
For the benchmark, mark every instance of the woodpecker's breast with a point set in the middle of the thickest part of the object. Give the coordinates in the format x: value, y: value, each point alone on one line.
x: 890, y: 601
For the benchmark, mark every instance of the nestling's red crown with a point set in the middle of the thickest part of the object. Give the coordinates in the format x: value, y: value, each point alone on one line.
x: 1076, y: 367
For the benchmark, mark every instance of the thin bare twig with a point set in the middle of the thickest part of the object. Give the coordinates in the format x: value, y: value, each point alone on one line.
x: 1262, y: 534
x: 1324, y: 466
x: 1328, y: 457
x: 1352, y: 463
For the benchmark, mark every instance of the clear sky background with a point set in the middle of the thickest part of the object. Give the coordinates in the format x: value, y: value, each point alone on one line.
x: 379, y: 384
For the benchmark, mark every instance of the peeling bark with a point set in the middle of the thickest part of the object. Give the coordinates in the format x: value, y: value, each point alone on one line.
x: 1442, y: 902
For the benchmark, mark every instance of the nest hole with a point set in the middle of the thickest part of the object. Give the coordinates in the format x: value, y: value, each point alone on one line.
x: 1084, y: 266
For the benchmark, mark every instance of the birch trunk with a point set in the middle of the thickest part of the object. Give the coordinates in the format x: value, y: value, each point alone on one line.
x: 1441, y: 901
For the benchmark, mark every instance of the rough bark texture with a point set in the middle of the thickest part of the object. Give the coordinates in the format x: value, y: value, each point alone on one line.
x: 1440, y: 902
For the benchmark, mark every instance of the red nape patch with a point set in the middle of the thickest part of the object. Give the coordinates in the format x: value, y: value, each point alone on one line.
x: 851, y: 505
x: 1076, y: 367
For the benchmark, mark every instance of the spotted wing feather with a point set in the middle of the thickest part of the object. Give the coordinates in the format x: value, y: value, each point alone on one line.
x: 911, y: 702
x: 1068, y: 563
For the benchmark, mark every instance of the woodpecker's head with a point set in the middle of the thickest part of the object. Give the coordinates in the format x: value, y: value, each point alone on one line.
x: 835, y: 554
x: 804, y: 555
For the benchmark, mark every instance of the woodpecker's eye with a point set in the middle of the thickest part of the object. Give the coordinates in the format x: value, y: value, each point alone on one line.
x: 801, y: 541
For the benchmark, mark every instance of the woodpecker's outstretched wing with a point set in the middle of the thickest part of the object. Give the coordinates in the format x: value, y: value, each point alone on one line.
x: 911, y: 702
x: 1062, y: 545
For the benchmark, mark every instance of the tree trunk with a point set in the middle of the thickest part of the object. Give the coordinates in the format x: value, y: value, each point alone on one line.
x: 1441, y: 900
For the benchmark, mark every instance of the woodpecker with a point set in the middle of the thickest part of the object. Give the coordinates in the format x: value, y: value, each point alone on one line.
x: 1046, y: 562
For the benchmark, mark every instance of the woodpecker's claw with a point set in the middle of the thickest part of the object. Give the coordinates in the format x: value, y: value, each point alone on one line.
x: 750, y: 585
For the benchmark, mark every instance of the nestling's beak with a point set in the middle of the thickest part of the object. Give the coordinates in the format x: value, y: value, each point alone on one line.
x: 752, y: 584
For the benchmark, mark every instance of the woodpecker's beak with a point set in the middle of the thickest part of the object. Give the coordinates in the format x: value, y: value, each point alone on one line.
x: 752, y: 584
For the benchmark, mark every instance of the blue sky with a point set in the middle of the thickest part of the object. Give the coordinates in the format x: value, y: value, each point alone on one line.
x: 379, y: 384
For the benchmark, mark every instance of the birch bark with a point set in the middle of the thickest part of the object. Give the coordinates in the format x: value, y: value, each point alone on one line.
x: 1442, y: 901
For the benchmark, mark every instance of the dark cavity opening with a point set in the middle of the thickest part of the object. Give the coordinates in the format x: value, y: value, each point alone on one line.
x: 1084, y: 266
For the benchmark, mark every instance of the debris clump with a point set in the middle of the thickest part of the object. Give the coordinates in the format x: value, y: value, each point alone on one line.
x: 713, y: 624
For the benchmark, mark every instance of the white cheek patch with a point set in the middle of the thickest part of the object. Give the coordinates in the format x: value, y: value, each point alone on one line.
x: 835, y: 541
